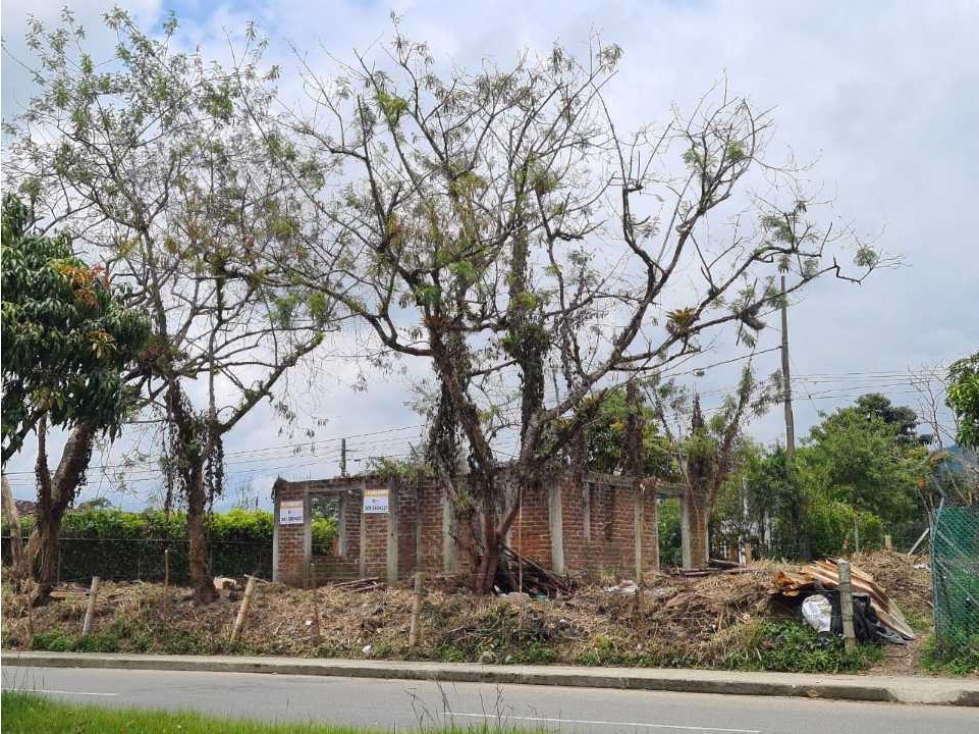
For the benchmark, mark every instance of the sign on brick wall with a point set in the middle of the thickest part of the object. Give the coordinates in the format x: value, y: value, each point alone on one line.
x: 291, y: 512
x: 375, y: 502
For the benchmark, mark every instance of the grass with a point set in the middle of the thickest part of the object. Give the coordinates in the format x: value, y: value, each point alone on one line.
x: 795, y: 648
x: 957, y: 659
x: 31, y: 714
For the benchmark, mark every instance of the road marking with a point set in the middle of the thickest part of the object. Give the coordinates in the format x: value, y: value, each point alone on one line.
x: 597, y: 722
x: 49, y: 690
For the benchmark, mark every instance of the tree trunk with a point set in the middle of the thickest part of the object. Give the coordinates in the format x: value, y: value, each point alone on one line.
x: 200, y: 576
x: 55, y: 495
x: 49, y: 539
x: 486, y: 573
x: 20, y: 566
x: 190, y: 459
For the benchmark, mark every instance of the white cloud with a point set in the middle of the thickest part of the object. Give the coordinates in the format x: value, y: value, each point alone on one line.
x: 883, y: 94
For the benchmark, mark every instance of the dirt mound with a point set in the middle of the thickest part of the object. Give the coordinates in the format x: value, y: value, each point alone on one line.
x: 907, y: 579
x: 712, y: 621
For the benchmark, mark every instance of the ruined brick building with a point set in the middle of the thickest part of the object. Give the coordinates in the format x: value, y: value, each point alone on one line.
x: 391, y: 528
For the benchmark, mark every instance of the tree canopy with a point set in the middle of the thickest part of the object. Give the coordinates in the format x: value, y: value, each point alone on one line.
x: 863, y: 459
x: 963, y: 398
x: 68, y: 338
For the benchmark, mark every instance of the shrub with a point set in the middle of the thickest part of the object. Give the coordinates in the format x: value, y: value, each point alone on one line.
x: 115, y: 544
x: 830, y: 527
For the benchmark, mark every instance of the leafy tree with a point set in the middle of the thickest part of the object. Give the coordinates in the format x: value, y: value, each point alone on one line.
x: 150, y: 158
x: 708, y: 449
x: 765, y: 501
x: 902, y: 419
x: 69, y: 344
x: 68, y: 340
x: 859, y: 458
x: 501, y: 227
x: 604, y: 439
x: 963, y: 399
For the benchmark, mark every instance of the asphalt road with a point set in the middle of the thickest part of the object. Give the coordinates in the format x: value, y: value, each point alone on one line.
x: 388, y: 704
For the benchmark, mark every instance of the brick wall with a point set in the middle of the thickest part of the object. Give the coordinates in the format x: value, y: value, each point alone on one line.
x: 530, y: 534
x: 290, y: 539
x: 597, y: 525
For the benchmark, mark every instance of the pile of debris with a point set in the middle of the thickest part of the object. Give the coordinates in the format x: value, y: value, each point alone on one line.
x: 520, y: 574
x: 823, y: 576
x: 716, y: 566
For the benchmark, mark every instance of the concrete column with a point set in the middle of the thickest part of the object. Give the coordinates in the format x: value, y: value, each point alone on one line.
x: 449, y: 555
x: 419, y: 558
x: 392, y: 543
x: 556, y: 523
x: 638, y: 529
x: 344, y: 500
x: 690, y: 535
x: 685, y: 531
x: 586, y: 510
x: 275, y: 538
x: 652, y: 518
x: 363, y: 536
x: 307, y: 541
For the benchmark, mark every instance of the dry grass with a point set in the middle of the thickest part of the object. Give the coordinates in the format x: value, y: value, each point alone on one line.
x: 680, y: 621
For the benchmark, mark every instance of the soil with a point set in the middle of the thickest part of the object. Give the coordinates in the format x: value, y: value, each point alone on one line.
x: 677, y: 621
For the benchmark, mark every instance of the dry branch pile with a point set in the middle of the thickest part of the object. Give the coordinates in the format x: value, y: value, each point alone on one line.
x: 680, y: 621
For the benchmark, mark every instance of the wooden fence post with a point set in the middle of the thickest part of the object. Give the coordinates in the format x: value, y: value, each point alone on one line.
x: 243, y: 609
x: 888, y: 543
x: 166, y: 590
x: 846, y: 606
x: 747, y: 552
x: 416, y: 609
x: 90, y: 611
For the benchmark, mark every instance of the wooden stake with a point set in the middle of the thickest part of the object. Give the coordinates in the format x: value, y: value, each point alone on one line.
x: 846, y: 606
x: 919, y: 541
x: 166, y: 590
x: 416, y: 609
x: 90, y: 612
x: 243, y: 609
x: 888, y: 543
x: 747, y: 552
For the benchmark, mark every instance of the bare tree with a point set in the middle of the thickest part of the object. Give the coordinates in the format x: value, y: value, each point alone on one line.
x: 150, y: 159
x: 500, y: 225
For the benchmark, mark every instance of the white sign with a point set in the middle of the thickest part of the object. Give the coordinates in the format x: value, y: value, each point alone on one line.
x: 291, y: 512
x: 375, y: 502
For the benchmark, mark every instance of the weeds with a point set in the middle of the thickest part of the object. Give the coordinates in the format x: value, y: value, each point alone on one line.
x: 958, y: 659
x: 794, y: 647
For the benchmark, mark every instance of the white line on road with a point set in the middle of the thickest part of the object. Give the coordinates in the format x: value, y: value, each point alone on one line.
x: 596, y: 722
x: 48, y: 690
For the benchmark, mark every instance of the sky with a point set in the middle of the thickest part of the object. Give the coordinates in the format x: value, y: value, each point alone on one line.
x: 882, y: 96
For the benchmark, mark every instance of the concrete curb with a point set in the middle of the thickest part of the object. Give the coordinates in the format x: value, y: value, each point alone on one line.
x: 932, y: 691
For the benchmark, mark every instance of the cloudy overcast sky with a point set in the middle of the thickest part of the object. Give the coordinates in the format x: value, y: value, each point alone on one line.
x: 883, y: 95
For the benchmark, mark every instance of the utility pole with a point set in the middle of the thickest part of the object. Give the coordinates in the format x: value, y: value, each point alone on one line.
x: 787, y: 380
x: 343, y: 457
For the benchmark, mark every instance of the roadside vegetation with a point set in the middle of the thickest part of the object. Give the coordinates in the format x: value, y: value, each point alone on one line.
x: 27, y: 713
x: 720, y: 622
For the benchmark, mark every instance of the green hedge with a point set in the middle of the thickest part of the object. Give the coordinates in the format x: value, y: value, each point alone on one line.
x: 831, y: 525
x: 126, y: 545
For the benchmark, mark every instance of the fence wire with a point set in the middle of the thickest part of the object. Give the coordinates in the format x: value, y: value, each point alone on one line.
x: 129, y: 559
x: 955, y: 577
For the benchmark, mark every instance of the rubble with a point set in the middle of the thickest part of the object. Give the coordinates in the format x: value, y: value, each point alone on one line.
x: 519, y: 573
x: 823, y: 575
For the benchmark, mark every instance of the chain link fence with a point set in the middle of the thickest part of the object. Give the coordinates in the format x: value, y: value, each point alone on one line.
x: 131, y: 559
x: 955, y: 578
